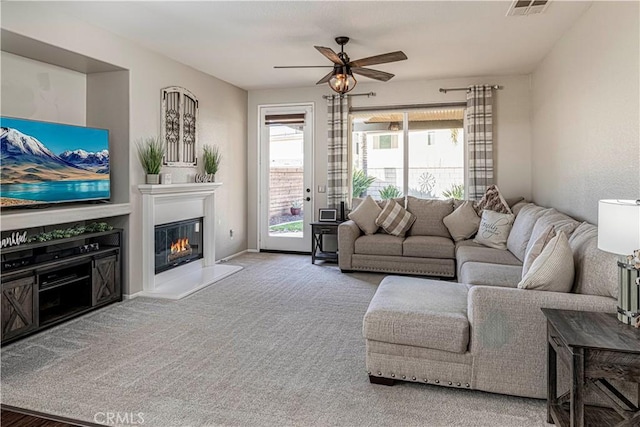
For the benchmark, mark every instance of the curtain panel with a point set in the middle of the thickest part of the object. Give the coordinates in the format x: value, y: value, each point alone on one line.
x: 337, y: 147
x: 480, y: 139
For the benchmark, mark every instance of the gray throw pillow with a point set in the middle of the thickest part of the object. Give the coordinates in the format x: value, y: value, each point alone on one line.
x: 395, y: 220
x: 365, y: 215
x: 463, y: 222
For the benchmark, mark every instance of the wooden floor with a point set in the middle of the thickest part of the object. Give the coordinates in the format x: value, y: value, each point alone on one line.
x: 16, y: 419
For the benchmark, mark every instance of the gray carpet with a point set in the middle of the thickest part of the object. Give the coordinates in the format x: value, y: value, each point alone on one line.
x: 278, y: 343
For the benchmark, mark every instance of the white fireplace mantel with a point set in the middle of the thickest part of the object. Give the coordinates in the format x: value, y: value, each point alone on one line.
x: 166, y: 203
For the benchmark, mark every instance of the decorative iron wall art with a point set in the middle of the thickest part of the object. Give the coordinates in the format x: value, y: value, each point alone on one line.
x: 179, y: 126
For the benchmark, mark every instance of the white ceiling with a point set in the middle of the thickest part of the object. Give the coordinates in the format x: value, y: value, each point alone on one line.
x: 241, y: 41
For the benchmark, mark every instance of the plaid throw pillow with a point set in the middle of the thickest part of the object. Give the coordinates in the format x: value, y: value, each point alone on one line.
x: 395, y: 220
x: 493, y: 201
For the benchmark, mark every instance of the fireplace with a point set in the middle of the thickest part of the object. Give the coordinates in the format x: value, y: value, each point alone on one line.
x: 177, y: 243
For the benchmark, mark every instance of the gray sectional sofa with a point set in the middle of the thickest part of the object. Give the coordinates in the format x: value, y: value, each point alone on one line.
x: 483, y: 332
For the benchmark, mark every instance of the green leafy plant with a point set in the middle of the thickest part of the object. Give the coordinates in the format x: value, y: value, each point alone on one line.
x: 455, y: 132
x: 296, y: 204
x: 150, y: 153
x: 211, y: 159
x: 390, y: 192
x: 360, y: 182
x: 456, y: 191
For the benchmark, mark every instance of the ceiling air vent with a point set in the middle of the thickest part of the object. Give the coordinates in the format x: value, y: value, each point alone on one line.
x: 527, y: 7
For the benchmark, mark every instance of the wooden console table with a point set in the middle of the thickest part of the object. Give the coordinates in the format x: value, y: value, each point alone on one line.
x: 319, y: 229
x: 597, y: 348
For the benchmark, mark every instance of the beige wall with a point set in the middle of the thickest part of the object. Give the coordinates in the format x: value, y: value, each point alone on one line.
x: 223, y: 114
x: 512, y: 130
x: 39, y: 91
x: 585, y: 113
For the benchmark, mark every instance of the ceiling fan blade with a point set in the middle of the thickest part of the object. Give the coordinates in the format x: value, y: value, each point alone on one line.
x: 330, y: 54
x: 372, y: 74
x: 303, y: 66
x: 379, y: 59
x: 325, y: 79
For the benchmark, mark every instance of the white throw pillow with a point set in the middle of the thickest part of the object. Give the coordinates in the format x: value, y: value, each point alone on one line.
x: 537, y: 247
x: 553, y: 270
x: 494, y: 229
x: 365, y: 215
x: 463, y: 222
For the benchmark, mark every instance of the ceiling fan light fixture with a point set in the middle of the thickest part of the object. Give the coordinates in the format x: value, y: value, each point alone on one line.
x: 342, y: 80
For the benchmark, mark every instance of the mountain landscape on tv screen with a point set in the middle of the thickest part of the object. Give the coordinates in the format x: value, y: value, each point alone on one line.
x: 27, y: 161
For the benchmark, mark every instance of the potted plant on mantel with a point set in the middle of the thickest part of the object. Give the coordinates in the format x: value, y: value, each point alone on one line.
x: 211, y: 159
x: 151, y: 153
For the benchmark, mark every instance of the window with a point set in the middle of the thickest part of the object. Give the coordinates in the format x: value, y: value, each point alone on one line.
x: 385, y: 142
x: 433, y: 141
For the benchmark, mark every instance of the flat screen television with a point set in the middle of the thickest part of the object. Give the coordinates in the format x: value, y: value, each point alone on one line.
x: 43, y: 163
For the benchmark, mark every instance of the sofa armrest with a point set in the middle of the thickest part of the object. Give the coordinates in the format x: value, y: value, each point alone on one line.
x: 509, y: 334
x: 348, y: 232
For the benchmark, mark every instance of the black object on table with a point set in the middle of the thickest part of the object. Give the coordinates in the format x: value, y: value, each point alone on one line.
x: 597, y: 348
x: 318, y: 230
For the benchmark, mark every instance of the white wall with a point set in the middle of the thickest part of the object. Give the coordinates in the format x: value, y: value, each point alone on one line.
x: 223, y: 114
x: 512, y: 132
x: 39, y: 91
x: 585, y: 113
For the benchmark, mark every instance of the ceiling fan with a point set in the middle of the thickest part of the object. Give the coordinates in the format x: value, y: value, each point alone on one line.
x: 341, y: 78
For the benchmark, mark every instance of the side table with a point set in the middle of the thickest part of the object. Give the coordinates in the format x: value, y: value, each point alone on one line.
x: 597, y: 348
x: 318, y: 230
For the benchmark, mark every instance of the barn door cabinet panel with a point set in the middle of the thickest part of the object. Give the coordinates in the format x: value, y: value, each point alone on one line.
x: 105, y: 280
x: 19, y: 307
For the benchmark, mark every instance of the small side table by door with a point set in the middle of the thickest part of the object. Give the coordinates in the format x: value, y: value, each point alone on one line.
x: 318, y: 230
x: 597, y: 347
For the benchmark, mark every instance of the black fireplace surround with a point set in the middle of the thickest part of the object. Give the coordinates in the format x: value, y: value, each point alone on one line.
x: 177, y: 243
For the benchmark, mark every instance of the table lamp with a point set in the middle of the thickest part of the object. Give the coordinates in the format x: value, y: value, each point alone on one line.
x: 619, y: 233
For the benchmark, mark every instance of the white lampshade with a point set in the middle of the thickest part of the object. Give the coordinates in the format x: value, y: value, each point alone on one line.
x: 619, y: 226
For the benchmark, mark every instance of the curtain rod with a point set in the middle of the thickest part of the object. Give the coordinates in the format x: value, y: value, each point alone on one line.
x: 452, y: 89
x: 369, y: 94
x: 409, y: 107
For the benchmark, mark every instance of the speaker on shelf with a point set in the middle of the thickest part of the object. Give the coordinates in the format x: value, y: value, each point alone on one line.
x: 342, y: 217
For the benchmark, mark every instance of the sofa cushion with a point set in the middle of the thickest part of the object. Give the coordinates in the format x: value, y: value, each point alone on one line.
x: 492, y: 200
x: 494, y: 229
x: 522, y: 228
x: 559, y: 221
x: 355, y: 202
x: 553, y: 269
x: 428, y: 247
x: 482, y: 273
x: 394, y: 219
x: 378, y: 244
x: 419, y: 312
x: 596, y: 270
x: 429, y: 215
x: 365, y: 215
x: 484, y: 254
x: 463, y: 222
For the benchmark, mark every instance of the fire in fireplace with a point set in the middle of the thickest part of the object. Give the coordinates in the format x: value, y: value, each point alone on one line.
x: 177, y: 243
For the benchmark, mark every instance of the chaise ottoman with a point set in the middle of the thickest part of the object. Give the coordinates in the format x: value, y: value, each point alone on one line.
x: 417, y: 330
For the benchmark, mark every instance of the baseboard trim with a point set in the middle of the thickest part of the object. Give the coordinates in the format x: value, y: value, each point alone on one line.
x: 132, y: 296
x: 225, y: 259
x: 255, y: 251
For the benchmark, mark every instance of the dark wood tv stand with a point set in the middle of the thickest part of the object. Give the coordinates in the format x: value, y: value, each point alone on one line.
x: 47, y: 283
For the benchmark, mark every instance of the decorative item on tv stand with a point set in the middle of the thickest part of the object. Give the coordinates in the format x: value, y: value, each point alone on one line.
x: 211, y: 159
x: 619, y: 233
x: 151, y: 153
